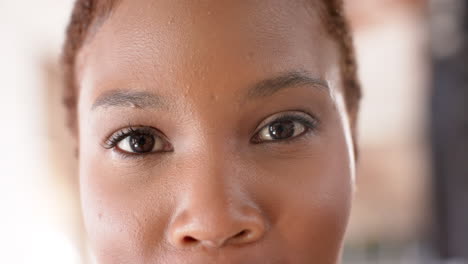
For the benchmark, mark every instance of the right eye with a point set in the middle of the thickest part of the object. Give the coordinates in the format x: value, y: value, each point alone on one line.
x: 284, y: 126
x: 138, y: 141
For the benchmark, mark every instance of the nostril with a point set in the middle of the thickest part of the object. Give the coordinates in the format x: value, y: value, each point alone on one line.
x: 188, y: 240
x: 220, y: 228
x: 241, y: 234
x: 242, y: 237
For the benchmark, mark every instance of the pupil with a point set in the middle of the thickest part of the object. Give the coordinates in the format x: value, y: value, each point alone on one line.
x: 282, y: 130
x: 141, y: 143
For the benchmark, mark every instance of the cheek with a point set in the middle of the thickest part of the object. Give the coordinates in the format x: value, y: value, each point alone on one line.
x: 124, y: 212
x: 313, y: 212
x: 310, y: 201
x: 316, y: 217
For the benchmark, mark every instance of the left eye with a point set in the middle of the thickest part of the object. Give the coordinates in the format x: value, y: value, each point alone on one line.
x: 284, y: 127
x: 139, y: 143
x: 140, y: 140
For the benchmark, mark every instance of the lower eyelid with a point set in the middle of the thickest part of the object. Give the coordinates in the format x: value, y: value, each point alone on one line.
x: 129, y: 156
x: 308, y: 130
x: 303, y: 136
x: 307, y: 120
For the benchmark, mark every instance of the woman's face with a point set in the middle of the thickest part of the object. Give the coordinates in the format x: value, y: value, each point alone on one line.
x: 213, y: 132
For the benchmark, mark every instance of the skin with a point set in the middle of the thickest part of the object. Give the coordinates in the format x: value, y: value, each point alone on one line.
x: 208, y: 75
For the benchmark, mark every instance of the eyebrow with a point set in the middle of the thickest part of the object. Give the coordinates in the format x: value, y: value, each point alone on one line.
x: 134, y: 99
x: 283, y: 81
x: 265, y: 88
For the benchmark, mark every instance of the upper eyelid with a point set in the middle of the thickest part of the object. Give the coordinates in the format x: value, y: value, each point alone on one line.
x: 156, y: 132
x: 128, y: 131
x: 286, y: 114
x: 308, y: 130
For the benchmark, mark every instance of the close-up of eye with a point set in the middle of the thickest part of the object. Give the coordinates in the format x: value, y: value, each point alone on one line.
x: 284, y: 126
x: 138, y: 141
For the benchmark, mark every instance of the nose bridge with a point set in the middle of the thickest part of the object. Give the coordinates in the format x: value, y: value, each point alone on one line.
x: 213, y: 161
x: 214, y: 210
x: 211, y: 188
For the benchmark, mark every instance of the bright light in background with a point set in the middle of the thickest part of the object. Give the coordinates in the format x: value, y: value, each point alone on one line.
x: 49, y: 247
x: 31, y: 229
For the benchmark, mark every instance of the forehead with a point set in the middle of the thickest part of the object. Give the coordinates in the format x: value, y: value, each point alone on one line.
x: 187, y: 41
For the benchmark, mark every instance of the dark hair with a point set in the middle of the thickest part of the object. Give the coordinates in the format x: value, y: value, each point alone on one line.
x: 87, y: 15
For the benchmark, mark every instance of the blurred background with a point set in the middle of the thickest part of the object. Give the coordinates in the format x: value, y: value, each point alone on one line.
x: 412, y: 198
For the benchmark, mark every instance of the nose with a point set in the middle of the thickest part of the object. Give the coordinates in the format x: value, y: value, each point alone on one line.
x: 215, y: 217
x: 212, y: 231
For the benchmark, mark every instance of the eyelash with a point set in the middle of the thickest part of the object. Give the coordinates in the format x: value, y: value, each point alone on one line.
x: 116, y: 137
x: 310, y: 125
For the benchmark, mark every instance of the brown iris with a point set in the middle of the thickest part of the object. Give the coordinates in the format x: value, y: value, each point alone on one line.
x: 282, y: 129
x: 140, y: 143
